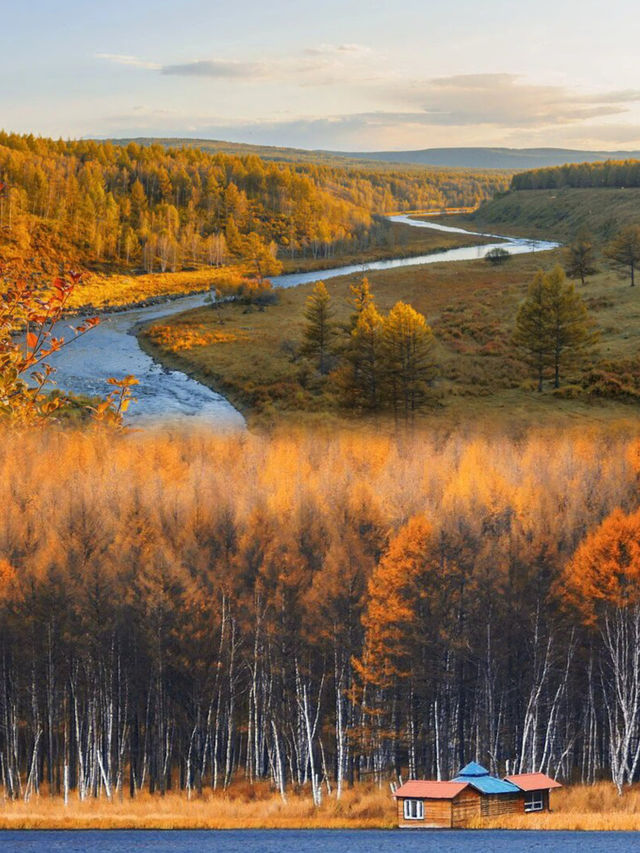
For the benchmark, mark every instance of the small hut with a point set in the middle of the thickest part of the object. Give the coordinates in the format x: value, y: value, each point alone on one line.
x: 473, y: 793
x: 427, y: 804
x: 535, y: 788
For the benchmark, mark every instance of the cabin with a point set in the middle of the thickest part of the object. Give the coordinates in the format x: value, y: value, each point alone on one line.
x: 472, y: 793
x: 430, y: 805
x: 535, y: 788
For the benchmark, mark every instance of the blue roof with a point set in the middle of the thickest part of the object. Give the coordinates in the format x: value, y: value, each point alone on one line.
x: 478, y: 777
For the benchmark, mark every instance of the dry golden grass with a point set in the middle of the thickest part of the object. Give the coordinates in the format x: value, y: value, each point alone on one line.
x: 578, y: 807
x: 104, y: 291
x: 242, y: 807
x: 245, y: 806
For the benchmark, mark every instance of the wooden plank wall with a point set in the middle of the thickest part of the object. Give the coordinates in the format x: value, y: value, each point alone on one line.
x: 465, y: 806
x: 436, y: 813
x: 497, y: 804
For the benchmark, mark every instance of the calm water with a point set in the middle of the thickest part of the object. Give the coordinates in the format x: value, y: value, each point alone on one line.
x: 111, y: 349
x: 319, y: 841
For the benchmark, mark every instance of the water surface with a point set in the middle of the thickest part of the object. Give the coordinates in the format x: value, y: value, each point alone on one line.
x: 317, y: 841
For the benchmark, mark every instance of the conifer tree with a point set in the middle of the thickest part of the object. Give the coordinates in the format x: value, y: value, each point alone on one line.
x: 553, y: 327
x: 624, y: 250
x: 319, y: 331
x: 580, y: 258
x: 408, y: 345
x: 365, y: 356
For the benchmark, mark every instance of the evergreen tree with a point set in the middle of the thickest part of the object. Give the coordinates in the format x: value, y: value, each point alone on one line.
x: 319, y: 331
x: 532, y: 333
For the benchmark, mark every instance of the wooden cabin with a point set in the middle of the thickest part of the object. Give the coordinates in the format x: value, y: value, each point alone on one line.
x: 535, y: 788
x: 425, y: 804
x: 473, y: 793
x: 497, y: 796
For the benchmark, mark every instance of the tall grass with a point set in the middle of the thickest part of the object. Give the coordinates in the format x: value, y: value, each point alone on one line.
x: 243, y: 806
x: 257, y: 806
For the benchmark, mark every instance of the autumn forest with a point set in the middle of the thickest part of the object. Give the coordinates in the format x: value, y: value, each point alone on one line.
x: 418, y: 545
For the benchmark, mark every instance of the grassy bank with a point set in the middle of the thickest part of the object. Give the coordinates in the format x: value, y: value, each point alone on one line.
x: 252, y: 356
x: 105, y: 290
x: 244, y: 806
x: 579, y: 807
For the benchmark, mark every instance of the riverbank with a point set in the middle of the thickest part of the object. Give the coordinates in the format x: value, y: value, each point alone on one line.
x: 103, y: 292
x: 252, y: 356
x: 244, y: 806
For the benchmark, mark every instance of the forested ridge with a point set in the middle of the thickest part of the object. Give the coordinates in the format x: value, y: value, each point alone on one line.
x: 610, y: 173
x: 156, y: 209
x: 177, y: 611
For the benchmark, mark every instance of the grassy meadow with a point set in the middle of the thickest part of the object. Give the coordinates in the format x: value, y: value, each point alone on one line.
x: 257, y: 806
x: 559, y: 214
x: 251, y: 355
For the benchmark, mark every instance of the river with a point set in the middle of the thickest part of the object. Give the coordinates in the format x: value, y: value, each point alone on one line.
x: 316, y: 841
x: 112, y: 349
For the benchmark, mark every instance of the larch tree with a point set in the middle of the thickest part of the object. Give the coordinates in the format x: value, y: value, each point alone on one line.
x: 624, y: 250
x: 580, y: 258
x: 319, y: 330
x: 602, y: 582
x: 532, y: 333
x: 410, y: 365
x: 572, y: 332
x: 553, y: 328
x: 366, y: 359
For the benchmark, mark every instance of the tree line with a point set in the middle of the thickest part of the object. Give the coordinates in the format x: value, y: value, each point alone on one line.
x: 178, y: 610
x: 162, y: 209
x: 607, y: 173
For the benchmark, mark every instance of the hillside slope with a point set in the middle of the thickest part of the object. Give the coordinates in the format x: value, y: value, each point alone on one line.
x: 560, y: 214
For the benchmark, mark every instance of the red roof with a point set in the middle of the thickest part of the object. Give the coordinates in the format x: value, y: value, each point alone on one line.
x: 428, y: 790
x: 532, y: 781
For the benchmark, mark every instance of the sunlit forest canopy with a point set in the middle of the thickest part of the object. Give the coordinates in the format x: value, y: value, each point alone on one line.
x: 95, y: 202
x: 176, y: 610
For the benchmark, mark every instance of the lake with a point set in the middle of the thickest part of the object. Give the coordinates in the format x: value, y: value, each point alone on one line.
x: 315, y: 841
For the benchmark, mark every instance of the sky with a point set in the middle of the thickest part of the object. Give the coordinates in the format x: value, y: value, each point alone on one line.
x: 347, y: 76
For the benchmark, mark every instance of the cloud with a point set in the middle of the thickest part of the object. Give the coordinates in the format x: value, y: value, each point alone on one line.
x: 505, y: 100
x: 122, y: 59
x: 338, y: 49
x: 218, y: 68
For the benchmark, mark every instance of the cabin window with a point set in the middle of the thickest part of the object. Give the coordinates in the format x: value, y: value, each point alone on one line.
x: 413, y: 810
x: 534, y: 801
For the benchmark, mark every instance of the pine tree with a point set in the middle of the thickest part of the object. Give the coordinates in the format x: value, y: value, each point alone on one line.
x: 319, y: 331
x: 408, y: 345
x: 532, y: 334
x: 361, y: 298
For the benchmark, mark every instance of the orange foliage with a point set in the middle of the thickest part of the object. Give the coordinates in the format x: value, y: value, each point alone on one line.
x: 605, y: 569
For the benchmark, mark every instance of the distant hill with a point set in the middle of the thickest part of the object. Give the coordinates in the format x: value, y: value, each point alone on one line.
x: 512, y: 159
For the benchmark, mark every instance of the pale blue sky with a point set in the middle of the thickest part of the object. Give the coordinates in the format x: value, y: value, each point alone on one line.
x: 346, y: 75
